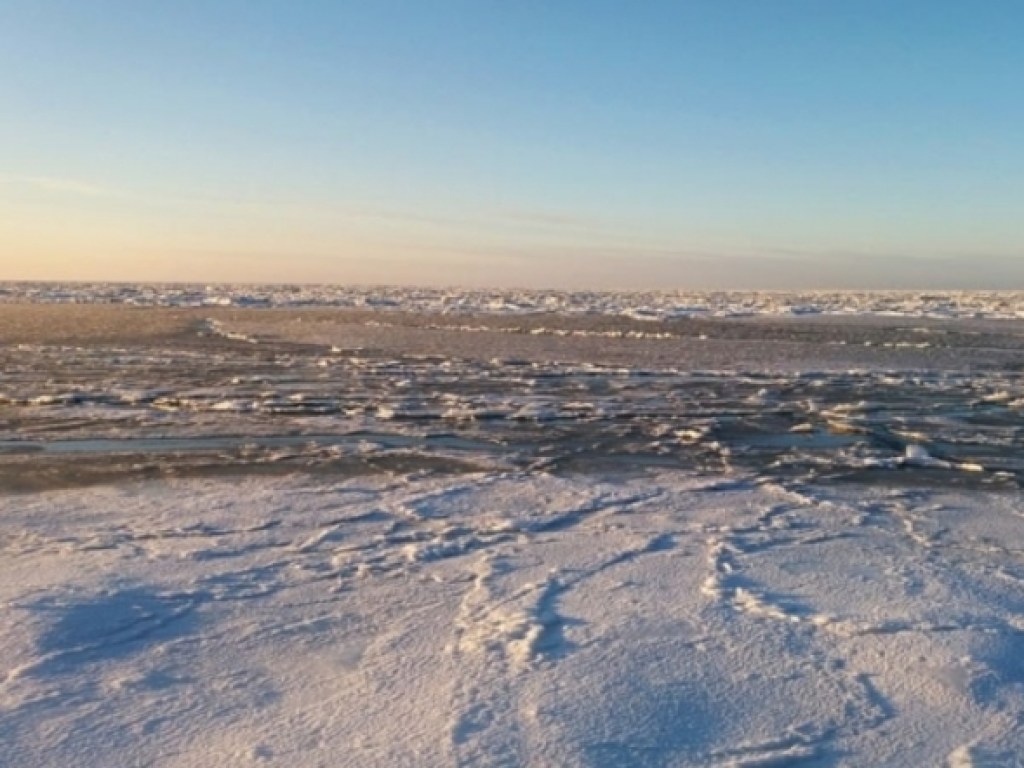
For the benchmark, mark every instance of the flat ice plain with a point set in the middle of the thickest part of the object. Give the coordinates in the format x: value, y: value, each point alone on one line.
x: 314, y: 527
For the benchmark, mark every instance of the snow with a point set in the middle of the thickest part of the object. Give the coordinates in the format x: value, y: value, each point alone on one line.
x: 600, y: 537
x: 511, y: 618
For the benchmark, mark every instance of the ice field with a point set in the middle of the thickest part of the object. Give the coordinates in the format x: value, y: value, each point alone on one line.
x: 305, y: 527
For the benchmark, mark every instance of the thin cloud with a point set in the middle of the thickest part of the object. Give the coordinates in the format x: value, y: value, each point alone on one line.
x: 63, y: 185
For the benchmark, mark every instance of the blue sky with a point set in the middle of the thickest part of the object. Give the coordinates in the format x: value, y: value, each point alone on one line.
x: 709, y: 144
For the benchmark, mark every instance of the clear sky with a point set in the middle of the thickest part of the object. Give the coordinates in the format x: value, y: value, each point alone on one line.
x: 554, y: 143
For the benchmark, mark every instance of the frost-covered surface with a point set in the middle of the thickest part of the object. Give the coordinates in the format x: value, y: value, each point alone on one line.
x: 639, y: 305
x: 511, y: 619
x: 332, y: 537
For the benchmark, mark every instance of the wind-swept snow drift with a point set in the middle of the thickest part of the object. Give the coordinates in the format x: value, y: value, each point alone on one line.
x: 511, y: 619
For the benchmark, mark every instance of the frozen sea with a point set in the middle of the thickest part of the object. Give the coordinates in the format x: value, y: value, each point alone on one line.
x: 305, y: 526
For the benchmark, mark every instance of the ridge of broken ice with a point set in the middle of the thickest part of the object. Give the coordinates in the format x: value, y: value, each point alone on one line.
x: 647, y: 305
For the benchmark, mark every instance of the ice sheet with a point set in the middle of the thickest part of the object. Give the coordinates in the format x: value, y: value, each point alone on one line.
x: 304, y: 537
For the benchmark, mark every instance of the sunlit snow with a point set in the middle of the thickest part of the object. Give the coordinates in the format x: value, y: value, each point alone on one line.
x: 272, y: 527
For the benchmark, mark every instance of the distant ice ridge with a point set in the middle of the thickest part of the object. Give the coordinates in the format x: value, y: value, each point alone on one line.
x: 654, y: 305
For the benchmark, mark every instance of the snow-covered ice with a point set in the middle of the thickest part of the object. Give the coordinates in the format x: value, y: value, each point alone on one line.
x: 511, y: 619
x: 293, y: 537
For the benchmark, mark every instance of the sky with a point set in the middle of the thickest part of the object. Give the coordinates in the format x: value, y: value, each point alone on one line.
x: 564, y: 144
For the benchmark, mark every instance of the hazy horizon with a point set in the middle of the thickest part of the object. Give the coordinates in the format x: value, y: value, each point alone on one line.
x: 772, y: 274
